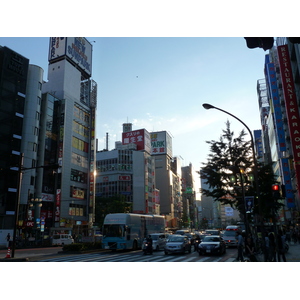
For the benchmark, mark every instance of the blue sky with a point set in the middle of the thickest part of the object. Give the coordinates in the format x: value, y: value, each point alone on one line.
x: 161, y: 84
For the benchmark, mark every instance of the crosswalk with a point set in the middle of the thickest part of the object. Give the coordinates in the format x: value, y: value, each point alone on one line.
x: 130, y: 257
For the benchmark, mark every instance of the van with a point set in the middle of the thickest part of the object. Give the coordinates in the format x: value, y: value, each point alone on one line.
x: 62, y: 239
x: 229, y: 235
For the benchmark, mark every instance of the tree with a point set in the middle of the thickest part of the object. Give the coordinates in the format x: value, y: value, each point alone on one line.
x: 232, y: 156
x: 110, y: 205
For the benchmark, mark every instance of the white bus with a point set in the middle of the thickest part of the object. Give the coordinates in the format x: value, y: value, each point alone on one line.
x: 127, y: 231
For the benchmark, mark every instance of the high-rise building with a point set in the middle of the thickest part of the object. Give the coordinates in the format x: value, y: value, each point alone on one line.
x: 69, y: 80
x: 13, y: 89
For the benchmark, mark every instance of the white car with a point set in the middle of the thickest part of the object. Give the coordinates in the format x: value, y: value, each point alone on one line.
x: 158, y: 240
x: 62, y: 239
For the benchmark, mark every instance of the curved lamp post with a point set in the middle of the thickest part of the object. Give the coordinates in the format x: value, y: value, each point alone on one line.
x: 209, y: 106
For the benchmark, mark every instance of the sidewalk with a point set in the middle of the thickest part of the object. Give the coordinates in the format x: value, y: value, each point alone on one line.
x: 293, y: 255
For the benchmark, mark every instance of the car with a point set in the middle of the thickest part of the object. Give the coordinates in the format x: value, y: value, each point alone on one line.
x: 212, y: 231
x: 182, y: 231
x: 230, y: 238
x: 158, y: 240
x: 191, y: 236
x: 212, y: 244
x: 177, y: 243
x: 62, y: 239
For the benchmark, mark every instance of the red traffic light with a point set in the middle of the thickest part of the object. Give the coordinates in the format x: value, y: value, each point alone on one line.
x: 275, y: 187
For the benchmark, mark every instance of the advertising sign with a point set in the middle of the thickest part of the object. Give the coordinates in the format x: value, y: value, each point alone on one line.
x: 57, y: 205
x: 291, y: 105
x: 290, y: 198
x: 276, y: 105
x: 78, y: 49
x: 140, y: 137
x: 228, y: 211
x: 161, y: 143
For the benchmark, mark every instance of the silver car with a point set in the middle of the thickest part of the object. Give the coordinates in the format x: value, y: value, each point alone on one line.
x: 158, y: 240
x: 178, y: 244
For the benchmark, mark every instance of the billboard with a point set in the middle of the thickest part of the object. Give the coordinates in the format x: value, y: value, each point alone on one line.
x: 291, y: 105
x: 161, y: 143
x: 140, y: 137
x: 77, y: 49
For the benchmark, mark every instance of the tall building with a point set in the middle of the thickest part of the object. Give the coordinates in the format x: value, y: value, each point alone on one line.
x: 69, y: 80
x: 13, y: 89
x: 189, y: 195
x: 167, y: 176
x: 281, y: 122
x: 128, y: 170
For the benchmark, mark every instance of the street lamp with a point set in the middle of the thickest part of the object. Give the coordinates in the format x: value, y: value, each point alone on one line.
x: 209, y: 106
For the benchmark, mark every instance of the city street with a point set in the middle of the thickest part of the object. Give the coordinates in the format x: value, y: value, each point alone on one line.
x: 55, y: 254
x: 138, y: 256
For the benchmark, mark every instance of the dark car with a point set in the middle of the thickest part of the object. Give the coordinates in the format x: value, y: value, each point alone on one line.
x: 178, y: 244
x: 198, y: 239
x: 212, y: 244
x: 191, y: 236
x: 213, y: 231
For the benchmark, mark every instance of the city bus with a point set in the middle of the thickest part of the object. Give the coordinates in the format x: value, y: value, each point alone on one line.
x: 127, y: 231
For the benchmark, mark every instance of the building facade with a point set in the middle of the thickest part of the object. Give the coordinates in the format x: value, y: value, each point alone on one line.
x: 13, y: 89
x: 69, y: 79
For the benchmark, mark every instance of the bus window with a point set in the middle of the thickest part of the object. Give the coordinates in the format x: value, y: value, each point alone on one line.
x: 112, y: 231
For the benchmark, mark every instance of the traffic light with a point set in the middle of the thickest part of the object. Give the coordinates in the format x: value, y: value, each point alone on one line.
x: 260, y: 42
x: 276, y: 191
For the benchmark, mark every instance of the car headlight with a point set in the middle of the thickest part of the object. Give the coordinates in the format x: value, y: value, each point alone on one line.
x: 200, y: 246
x: 217, y: 246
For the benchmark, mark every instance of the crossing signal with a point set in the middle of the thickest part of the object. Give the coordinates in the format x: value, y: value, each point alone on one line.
x: 276, y: 191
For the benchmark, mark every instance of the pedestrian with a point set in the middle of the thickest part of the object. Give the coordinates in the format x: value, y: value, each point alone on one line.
x: 240, y: 246
x: 280, y: 246
x: 267, y: 245
x: 8, y: 239
x: 272, y: 244
x: 249, y: 249
x: 288, y: 235
x: 294, y: 235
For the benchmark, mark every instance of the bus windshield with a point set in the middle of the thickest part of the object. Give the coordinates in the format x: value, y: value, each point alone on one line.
x: 113, y: 231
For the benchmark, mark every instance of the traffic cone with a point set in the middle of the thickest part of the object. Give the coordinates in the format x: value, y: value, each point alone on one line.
x: 8, y: 253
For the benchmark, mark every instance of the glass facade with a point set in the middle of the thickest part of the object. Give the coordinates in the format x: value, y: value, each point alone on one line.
x: 13, y: 77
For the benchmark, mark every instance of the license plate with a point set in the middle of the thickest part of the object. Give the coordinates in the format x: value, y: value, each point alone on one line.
x: 106, y: 247
x: 207, y: 251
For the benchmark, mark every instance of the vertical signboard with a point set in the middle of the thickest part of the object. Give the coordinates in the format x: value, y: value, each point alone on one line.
x: 277, y: 107
x: 291, y: 105
x: 57, y: 205
x: 289, y: 195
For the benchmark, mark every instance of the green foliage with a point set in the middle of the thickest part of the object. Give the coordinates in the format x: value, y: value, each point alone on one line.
x: 110, y: 205
x: 233, y: 156
x: 82, y: 246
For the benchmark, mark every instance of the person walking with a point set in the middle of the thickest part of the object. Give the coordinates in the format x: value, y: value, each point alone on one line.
x: 267, y: 245
x: 280, y: 246
x: 272, y: 244
x: 240, y: 240
x: 249, y: 249
x: 8, y: 239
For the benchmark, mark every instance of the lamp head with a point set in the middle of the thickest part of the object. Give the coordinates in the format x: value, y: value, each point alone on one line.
x: 207, y: 106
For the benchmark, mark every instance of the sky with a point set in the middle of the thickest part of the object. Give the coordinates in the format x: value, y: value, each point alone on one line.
x: 160, y: 84
x: 175, y: 77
